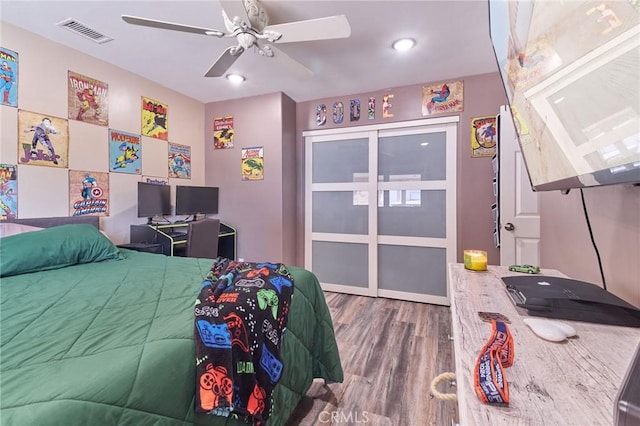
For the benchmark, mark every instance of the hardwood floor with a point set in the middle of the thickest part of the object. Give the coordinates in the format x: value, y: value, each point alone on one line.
x: 390, y: 350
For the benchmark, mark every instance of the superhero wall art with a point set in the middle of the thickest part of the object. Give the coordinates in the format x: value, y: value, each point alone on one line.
x: 179, y: 161
x: 88, y: 100
x: 125, y: 152
x: 88, y: 193
x: 253, y: 163
x: 155, y: 122
x: 223, y: 132
x: 8, y: 191
x: 483, y: 136
x: 43, y: 140
x: 8, y: 77
x: 442, y: 98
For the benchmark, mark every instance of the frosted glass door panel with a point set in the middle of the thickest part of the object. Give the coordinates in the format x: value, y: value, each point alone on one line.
x: 340, y: 161
x: 412, y: 157
x: 380, y: 208
x: 419, y: 270
x: 339, y: 212
x: 413, y: 213
x: 341, y: 263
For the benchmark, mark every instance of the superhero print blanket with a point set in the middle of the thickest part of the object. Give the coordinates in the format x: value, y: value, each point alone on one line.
x: 240, y: 317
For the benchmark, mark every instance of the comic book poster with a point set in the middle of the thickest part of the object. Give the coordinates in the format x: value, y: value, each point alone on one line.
x: 8, y: 77
x: 156, y: 180
x: 253, y: 163
x: 88, y: 99
x: 442, y: 98
x: 483, y: 136
x: 155, y: 121
x: 125, y: 152
x: 43, y: 140
x: 88, y: 193
x: 223, y: 132
x: 179, y: 161
x: 8, y: 191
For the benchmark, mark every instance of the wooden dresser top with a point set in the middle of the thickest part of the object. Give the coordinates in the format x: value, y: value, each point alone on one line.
x: 571, y: 383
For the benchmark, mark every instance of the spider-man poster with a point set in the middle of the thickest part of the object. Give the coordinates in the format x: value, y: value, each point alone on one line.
x: 442, y: 98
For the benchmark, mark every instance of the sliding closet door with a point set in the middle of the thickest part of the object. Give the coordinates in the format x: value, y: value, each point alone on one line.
x: 416, y: 215
x: 380, y: 214
x: 338, y: 219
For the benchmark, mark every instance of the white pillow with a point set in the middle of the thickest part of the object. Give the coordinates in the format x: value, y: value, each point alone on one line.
x: 8, y: 229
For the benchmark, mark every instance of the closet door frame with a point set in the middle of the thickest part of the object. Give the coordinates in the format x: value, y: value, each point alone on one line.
x: 373, y: 132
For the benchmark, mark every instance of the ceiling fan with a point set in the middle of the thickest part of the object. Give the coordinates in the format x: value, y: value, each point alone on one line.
x: 249, y: 25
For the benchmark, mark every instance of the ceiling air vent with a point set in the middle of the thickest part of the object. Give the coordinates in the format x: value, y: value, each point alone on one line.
x: 81, y: 29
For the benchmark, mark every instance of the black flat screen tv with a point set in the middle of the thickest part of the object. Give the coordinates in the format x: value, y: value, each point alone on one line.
x: 153, y: 200
x: 193, y: 200
x: 570, y: 73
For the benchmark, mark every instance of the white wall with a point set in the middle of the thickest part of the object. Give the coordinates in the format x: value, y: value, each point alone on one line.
x: 43, y: 69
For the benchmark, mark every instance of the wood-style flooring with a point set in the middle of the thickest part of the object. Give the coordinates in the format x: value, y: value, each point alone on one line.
x: 390, y: 350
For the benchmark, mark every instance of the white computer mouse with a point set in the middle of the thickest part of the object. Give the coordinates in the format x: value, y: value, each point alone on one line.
x: 553, y: 331
x: 566, y: 328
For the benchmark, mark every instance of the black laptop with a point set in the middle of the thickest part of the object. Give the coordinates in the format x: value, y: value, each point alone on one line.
x: 563, y: 298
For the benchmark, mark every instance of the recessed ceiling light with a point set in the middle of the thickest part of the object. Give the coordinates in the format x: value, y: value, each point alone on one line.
x: 404, y: 44
x: 235, y: 78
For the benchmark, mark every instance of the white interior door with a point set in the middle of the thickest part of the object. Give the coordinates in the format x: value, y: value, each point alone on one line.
x: 519, y: 213
x: 380, y: 209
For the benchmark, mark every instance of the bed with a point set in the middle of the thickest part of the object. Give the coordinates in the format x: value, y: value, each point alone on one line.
x: 94, y: 334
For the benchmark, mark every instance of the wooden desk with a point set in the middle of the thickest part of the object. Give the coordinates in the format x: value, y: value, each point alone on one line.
x: 570, y: 383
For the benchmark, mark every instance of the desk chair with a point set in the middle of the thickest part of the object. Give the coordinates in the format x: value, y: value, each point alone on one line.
x: 202, y: 238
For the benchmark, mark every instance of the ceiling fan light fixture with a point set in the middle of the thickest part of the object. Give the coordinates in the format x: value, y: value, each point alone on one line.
x: 247, y: 22
x: 235, y: 78
x: 403, y: 44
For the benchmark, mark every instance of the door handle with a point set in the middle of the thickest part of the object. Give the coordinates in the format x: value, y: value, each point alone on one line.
x: 509, y: 226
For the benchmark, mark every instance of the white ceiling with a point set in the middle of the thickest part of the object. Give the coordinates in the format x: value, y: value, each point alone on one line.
x: 452, y: 41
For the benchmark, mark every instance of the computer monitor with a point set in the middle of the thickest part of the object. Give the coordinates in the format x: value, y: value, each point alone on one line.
x: 153, y: 200
x: 194, y: 200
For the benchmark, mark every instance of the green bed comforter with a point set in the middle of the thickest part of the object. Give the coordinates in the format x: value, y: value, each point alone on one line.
x: 111, y: 342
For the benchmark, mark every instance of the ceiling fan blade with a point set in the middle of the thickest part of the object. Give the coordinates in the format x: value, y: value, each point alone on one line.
x: 292, y: 66
x: 235, y: 8
x: 170, y: 26
x: 313, y: 29
x: 224, y: 62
